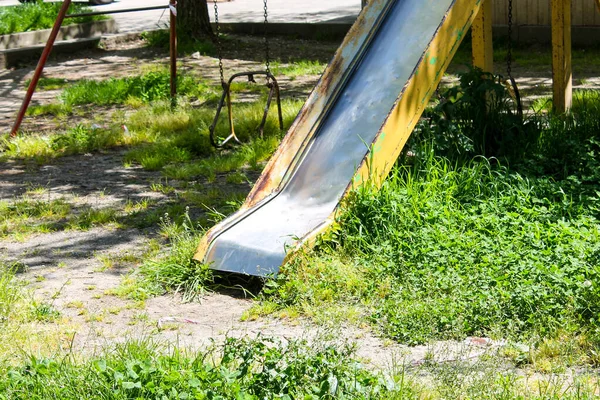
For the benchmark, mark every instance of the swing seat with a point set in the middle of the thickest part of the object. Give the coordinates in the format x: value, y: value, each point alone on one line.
x: 226, y: 97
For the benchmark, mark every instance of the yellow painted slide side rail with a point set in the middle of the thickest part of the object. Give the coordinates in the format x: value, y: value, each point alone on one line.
x: 412, y: 101
x: 401, y: 121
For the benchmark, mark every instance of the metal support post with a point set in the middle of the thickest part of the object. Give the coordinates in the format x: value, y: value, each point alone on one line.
x: 40, y: 67
x: 173, y: 47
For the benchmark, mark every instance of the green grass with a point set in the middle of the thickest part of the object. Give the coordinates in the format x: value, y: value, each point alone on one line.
x: 54, y: 109
x: 38, y: 15
x: 264, y: 368
x: 25, y: 323
x: 185, y: 44
x: 174, y: 271
x: 181, y: 137
x: 456, y: 244
x: 148, y: 87
x: 32, y: 366
x: 46, y: 83
x: 26, y: 216
x: 239, y: 369
x: 299, y: 68
x: 77, y: 140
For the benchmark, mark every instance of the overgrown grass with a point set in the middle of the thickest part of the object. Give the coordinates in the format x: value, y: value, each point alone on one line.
x: 456, y: 244
x: 174, y: 271
x: 240, y: 369
x: 266, y: 368
x: 39, y: 15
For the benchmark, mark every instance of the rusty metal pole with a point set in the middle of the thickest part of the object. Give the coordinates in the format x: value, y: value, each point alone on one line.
x: 173, y: 48
x: 40, y: 67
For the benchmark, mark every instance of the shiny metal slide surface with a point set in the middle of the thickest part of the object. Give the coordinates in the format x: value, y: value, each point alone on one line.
x: 256, y: 242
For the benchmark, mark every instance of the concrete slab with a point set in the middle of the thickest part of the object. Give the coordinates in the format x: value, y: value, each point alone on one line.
x: 67, y: 32
x: 14, y: 57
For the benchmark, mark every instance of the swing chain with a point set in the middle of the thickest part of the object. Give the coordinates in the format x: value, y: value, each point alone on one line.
x: 509, y: 60
x: 509, y: 50
x: 266, y: 40
x: 218, y: 40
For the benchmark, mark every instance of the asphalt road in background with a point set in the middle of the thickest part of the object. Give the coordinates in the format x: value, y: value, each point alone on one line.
x: 234, y: 11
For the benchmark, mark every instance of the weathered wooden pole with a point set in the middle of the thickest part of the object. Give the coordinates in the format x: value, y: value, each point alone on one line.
x: 481, y: 31
x: 173, y: 47
x: 40, y: 67
x: 562, y: 77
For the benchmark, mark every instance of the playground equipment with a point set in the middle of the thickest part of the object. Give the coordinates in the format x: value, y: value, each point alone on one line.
x: 356, y: 121
x: 351, y: 129
x: 226, y: 85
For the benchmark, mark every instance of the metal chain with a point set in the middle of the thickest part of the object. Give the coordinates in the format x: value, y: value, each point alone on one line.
x: 267, y: 56
x: 509, y: 60
x: 509, y: 52
x: 218, y: 39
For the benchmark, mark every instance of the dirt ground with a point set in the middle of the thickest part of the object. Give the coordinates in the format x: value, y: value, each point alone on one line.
x: 66, y: 268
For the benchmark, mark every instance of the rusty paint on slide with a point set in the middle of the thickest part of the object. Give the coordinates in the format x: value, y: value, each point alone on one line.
x: 238, y: 243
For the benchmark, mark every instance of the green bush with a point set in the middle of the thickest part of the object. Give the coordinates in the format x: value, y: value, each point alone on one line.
x: 476, y: 117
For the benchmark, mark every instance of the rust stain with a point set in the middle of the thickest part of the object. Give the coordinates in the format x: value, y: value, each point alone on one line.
x: 333, y: 70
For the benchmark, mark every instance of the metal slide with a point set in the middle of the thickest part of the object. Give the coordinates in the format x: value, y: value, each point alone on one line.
x: 352, y: 128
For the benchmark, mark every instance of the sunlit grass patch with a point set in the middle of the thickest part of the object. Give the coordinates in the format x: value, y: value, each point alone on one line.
x: 150, y: 86
x: 26, y: 216
x: 175, y: 271
x: 77, y: 140
x: 92, y: 217
x: 299, y: 68
x: 27, y: 326
x: 184, y: 134
x: 22, y: 217
x: 48, y: 83
x: 54, y: 109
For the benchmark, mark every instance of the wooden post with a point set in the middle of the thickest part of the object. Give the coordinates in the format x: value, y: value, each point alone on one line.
x: 481, y: 31
x: 562, y: 77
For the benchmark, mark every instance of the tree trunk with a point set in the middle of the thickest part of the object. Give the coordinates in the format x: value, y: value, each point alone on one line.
x: 192, y: 18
